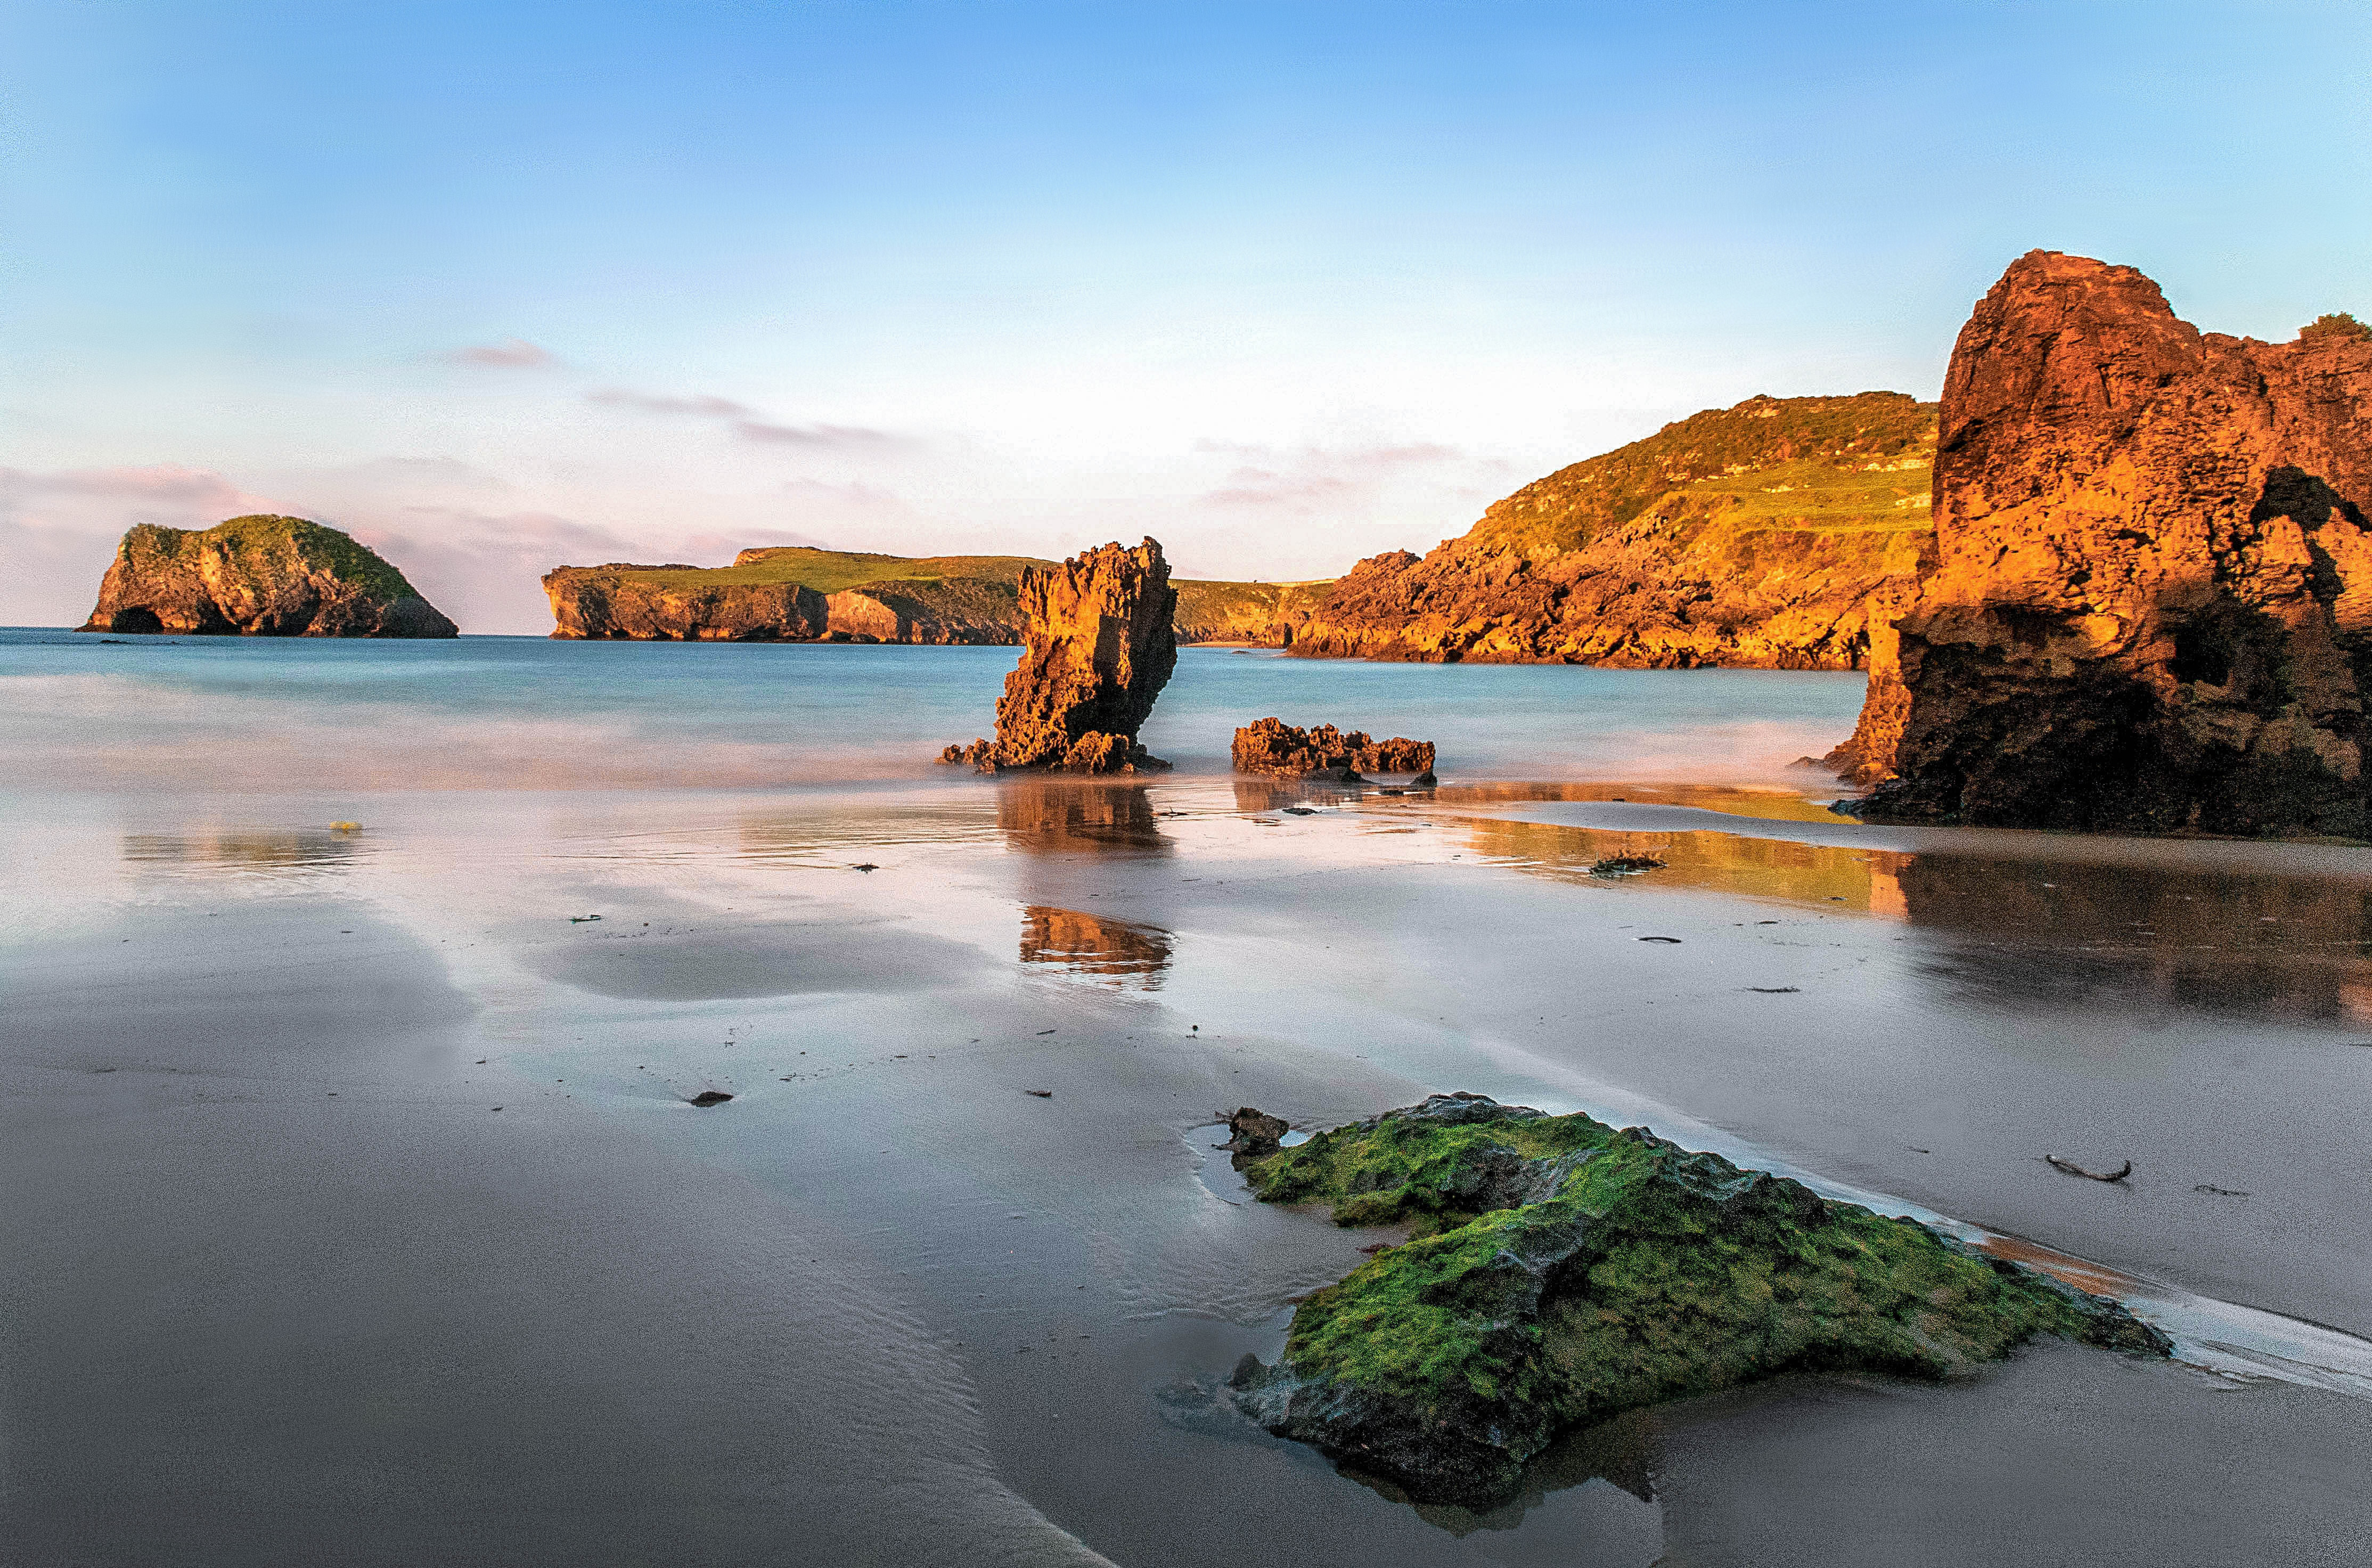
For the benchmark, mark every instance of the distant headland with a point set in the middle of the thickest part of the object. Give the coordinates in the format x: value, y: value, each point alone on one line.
x: 799, y: 594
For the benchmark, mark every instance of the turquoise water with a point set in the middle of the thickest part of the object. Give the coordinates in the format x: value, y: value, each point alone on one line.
x: 83, y: 712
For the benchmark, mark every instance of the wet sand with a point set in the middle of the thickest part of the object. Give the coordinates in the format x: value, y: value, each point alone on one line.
x: 285, y: 1286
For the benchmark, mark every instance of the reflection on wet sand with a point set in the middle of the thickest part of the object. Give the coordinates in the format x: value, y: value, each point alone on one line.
x: 1059, y: 815
x: 824, y: 836
x: 1621, y: 1451
x: 242, y: 849
x: 2028, y: 933
x: 1777, y: 806
x: 1255, y: 795
x: 2027, y: 936
x: 1865, y: 881
x: 1119, y: 952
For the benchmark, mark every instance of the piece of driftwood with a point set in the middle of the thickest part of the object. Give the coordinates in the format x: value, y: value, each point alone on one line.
x: 2072, y: 1168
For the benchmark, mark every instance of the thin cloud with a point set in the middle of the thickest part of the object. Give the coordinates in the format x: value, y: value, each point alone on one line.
x: 1307, y: 479
x: 745, y: 421
x: 812, y: 435
x: 647, y: 402
x: 511, y: 354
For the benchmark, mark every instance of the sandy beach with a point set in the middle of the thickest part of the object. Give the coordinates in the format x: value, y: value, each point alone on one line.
x: 360, y: 1213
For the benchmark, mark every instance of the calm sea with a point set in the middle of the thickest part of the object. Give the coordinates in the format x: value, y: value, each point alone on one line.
x: 87, y: 712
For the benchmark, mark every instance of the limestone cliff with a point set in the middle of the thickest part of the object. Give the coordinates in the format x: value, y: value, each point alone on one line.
x: 1101, y: 644
x: 1754, y: 535
x: 259, y: 576
x: 2153, y: 603
x: 625, y: 602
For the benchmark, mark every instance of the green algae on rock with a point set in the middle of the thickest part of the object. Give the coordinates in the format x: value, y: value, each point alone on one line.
x: 259, y: 576
x: 1560, y: 1272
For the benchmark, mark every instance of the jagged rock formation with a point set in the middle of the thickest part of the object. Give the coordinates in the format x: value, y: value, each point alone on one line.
x: 795, y: 593
x: 259, y: 576
x: 1101, y: 643
x: 1753, y: 535
x: 1562, y: 1272
x: 2151, y: 608
x: 1272, y: 746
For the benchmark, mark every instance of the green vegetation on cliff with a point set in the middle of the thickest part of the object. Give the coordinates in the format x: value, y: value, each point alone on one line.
x: 1842, y: 459
x: 262, y: 538
x: 1560, y: 1271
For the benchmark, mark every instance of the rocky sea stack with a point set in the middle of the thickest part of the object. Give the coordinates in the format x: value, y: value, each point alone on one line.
x: 1748, y: 536
x: 1560, y: 1272
x: 259, y: 576
x: 2152, y: 610
x: 1100, y: 643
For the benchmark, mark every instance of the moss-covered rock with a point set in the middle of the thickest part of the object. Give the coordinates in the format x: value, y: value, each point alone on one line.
x: 1560, y: 1271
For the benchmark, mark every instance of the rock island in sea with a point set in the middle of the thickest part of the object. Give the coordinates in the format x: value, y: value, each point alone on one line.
x: 259, y: 576
x: 1560, y: 1272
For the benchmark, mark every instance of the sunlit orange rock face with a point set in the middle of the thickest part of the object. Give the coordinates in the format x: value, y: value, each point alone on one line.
x: 1099, y: 645
x: 2154, y: 588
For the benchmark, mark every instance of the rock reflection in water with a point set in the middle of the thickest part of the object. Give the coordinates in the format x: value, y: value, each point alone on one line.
x: 2027, y: 935
x: 1255, y: 795
x: 1119, y: 952
x: 1065, y: 816
x: 1626, y: 1524
x: 242, y: 849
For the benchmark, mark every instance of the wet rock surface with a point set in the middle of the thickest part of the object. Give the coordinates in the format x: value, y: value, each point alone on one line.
x: 259, y: 576
x: 2154, y: 593
x: 1272, y: 746
x: 1100, y: 644
x: 1562, y: 1272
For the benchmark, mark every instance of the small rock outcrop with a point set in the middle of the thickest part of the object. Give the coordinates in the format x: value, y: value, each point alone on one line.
x: 1274, y: 747
x: 2152, y: 610
x: 1099, y: 645
x: 1560, y: 1272
x: 259, y: 576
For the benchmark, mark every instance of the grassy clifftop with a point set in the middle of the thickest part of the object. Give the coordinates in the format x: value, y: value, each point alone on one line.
x: 260, y: 537
x: 1803, y: 460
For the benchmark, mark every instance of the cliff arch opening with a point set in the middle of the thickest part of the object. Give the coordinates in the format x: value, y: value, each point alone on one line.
x: 137, y: 618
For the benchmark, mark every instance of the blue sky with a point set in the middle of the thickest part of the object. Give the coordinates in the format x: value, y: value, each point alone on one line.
x: 497, y: 287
